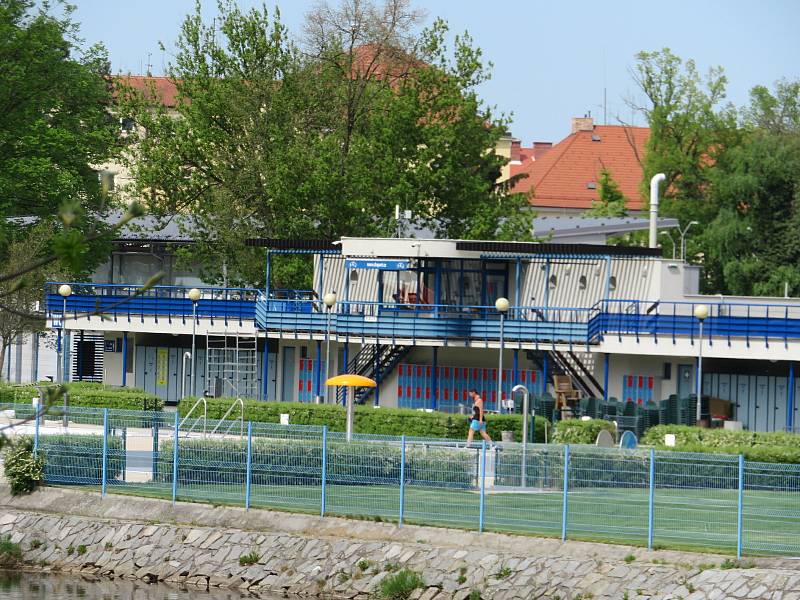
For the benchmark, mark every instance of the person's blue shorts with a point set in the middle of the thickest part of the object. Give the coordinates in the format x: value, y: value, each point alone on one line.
x: 476, y: 425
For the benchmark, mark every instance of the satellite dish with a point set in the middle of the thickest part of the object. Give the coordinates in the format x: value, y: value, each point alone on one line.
x: 605, y: 439
x: 628, y: 441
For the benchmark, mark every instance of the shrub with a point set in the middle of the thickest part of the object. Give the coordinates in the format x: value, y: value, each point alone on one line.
x: 22, y: 470
x: 10, y: 553
x: 576, y: 431
x: 299, y: 462
x: 401, y: 585
x: 778, y: 447
x: 86, y: 394
x: 380, y: 421
x: 78, y: 458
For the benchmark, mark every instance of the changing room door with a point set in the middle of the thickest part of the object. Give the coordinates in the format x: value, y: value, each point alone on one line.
x: 288, y: 393
x: 685, y: 377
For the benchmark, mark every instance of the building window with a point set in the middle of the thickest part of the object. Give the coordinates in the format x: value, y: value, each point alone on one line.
x: 612, y: 283
x: 582, y: 282
x: 553, y: 281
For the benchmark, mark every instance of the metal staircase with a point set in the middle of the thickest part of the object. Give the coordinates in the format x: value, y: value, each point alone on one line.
x: 569, y: 363
x: 373, y: 361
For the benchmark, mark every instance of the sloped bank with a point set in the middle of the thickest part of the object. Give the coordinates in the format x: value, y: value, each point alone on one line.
x: 206, y: 546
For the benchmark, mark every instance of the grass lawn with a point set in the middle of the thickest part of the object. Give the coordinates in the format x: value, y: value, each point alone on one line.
x: 698, y: 519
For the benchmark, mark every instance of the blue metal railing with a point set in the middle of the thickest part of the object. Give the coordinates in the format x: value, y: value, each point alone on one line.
x: 300, y: 311
x: 467, y: 324
x: 726, y: 321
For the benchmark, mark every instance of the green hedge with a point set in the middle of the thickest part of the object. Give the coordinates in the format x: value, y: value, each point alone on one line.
x: 90, y: 395
x: 78, y: 459
x: 299, y: 462
x: 377, y: 421
x: 576, y: 431
x: 777, y: 447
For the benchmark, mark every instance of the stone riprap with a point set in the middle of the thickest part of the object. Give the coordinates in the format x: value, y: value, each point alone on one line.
x: 198, y: 545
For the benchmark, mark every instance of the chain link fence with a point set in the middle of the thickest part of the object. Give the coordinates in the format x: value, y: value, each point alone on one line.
x: 642, y: 497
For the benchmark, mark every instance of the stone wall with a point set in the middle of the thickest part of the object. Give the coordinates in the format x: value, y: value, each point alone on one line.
x: 201, y: 545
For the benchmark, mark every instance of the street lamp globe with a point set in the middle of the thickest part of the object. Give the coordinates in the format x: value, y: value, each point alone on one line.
x: 502, y: 305
x: 64, y: 290
x: 329, y: 299
x: 701, y: 311
x: 194, y: 294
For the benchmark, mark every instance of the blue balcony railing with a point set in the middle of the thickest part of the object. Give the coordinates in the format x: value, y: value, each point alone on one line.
x: 456, y: 324
x: 752, y: 322
x: 163, y: 301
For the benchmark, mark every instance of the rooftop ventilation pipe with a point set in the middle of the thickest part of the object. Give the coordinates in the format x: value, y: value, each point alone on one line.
x: 656, y: 179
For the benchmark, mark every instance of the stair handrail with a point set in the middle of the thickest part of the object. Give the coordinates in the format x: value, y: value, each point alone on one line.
x: 237, y: 402
x: 191, y: 410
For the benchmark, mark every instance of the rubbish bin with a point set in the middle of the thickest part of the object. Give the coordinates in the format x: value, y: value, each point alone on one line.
x: 507, y: 436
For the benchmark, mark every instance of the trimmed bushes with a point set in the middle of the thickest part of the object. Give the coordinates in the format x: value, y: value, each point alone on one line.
x: 79, y: 458
x: 299, y: 462
x: 575, y: 431
x: 91, y: 395
x: 376, y: 421
x: 778, y: 447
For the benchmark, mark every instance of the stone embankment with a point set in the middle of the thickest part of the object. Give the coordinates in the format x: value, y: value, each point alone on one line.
x: 197, y: 545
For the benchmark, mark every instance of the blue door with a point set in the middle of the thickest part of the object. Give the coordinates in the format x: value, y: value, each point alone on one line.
x: 685, y: 378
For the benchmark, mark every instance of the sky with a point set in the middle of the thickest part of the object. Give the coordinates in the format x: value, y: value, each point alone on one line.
x: 552, y: 59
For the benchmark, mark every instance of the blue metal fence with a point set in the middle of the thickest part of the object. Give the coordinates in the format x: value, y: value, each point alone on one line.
x: 643, y: 497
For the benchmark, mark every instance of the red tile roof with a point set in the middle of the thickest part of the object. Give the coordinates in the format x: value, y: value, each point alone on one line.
x: 165, y: 89
x: 559, y: 176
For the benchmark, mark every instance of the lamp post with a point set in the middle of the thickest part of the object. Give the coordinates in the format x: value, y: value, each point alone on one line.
x: 700, y: 312
x: 666, y: 233
x: 502, y: 305
x: 194, y: 296
x: 683, y: 238
x: 329, y: 300
x: 64, y: 290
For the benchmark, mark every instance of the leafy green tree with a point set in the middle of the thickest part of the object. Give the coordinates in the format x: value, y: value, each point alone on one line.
x: 611, y: 201
x: 691, y: 126
x: 55, y: 127
x: 777, y: 112
x: 752, y: 247
x: 272, y: 140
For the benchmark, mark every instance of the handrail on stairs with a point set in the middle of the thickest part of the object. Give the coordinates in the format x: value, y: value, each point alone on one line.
x: 236, y: 402
x: 191, y: 410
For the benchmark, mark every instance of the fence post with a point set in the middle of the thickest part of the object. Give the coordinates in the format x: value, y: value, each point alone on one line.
x: 651, y: 499
x: 36, y: 429
x: 104, y: 474
x: 740, y: 510
x: 324, y: 469
x: 175, y: 461
x: 249, y: 475
x: 402, y: 478
x: 483, y: 485
x: 564, y: 504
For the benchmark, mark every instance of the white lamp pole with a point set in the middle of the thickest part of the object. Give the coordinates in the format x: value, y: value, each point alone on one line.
x: 683, y: 240
x: 666, y: 233
x: 502, y: 305
x: 329, y: 300
x: 64, y: 291
x: 701, y: 312
x: 194, y: 296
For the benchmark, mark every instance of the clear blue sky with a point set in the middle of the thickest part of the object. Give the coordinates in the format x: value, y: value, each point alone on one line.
x: 551, y: 58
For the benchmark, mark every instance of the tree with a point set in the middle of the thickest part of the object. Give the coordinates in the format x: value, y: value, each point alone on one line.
x: 322, y: 141
x: 55, y: 126
x: 611, y: 202
x: 752, y: 247
x: 690, y: 128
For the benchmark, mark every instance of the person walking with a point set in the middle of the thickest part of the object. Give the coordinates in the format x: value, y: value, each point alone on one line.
x: 478, y: 422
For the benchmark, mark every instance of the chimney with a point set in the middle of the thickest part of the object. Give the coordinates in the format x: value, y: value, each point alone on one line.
x: 582, y: 124
x: 540, y: 148
x: 516, y: 145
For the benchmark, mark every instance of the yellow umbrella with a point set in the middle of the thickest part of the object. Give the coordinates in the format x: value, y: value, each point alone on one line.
x: 351, y: 381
